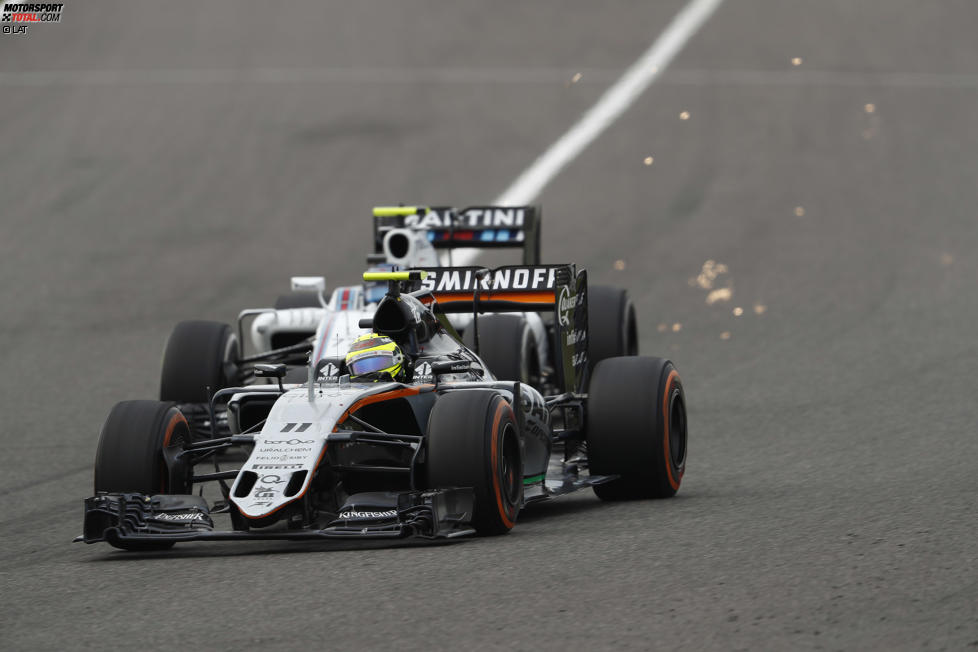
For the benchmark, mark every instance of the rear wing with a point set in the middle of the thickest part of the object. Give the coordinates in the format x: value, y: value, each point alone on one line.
x: 557, y: 289
x: 482, y: 227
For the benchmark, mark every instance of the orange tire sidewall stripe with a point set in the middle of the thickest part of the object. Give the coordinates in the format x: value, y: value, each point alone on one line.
x: 170, y: 427
x: 503, y: 514
x: 673, y: 481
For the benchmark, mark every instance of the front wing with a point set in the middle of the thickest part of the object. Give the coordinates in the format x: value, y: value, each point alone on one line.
x: 134, y: 518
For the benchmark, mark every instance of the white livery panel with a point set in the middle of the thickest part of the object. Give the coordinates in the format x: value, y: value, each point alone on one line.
x: 293, y: 440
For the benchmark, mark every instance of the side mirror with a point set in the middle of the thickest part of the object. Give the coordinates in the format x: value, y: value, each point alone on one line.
x: 308, y: 284
x: 449, y: 367
x: 270, y: 370
x: 276, y: 371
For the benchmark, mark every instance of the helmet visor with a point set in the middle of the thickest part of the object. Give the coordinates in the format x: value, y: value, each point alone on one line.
x: 368, y: 364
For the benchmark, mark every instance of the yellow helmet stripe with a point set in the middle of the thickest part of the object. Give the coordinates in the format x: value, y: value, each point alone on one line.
x: 380, y: 347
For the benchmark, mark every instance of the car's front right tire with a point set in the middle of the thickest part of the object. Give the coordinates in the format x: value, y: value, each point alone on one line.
x: 472, y: 441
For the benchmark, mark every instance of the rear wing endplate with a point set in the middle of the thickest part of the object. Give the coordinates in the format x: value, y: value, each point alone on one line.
x: 481, y: 227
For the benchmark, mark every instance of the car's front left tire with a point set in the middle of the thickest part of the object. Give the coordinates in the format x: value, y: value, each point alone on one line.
x: 297, y: 300
x: 130, y: 459
x: 200, y: 358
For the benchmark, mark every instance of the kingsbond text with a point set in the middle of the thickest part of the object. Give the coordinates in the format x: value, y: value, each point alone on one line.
x: 391, y: 513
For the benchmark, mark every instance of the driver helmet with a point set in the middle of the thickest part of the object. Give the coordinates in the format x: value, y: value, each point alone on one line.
x: 374, y: 291
x: 374, y: 357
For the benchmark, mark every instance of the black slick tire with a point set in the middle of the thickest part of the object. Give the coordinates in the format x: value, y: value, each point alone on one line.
x: 636, y: 428
x: 129, y: 458
x: 507, y: 346
x: 473, y: 442
x: 297, y: 300
x: 198, y: 355
x: 612, y: 325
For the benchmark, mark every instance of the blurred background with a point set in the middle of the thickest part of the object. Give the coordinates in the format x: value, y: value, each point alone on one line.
x: 791, y: 204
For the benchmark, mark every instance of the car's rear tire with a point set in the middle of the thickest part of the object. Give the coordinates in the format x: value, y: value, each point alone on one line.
x: 198, y: 355
x: 129, y: 458
x: 612, y: 325
x: 297, y: 300
x: 636, y: 428
x: 507, y: 345
x: 473, y: 442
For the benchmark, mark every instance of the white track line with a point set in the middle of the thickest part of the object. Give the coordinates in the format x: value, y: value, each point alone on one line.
x: 609, y: 108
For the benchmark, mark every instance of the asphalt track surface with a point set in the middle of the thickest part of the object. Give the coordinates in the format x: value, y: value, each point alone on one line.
x: 164, y: 161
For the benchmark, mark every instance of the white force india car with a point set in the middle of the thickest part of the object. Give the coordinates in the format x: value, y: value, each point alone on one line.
x: 303, y: 327
x: 444, y: 448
